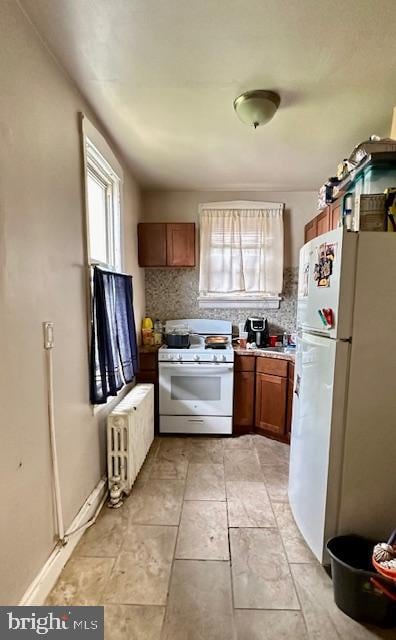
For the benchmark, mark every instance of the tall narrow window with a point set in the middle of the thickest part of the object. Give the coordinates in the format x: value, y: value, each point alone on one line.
x: 103, y: 208
x: 113, y: 351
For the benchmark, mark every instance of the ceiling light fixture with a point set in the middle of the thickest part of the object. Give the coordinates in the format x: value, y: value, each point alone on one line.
x: 256, y: 107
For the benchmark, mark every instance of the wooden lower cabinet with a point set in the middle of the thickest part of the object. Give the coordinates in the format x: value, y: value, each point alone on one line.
x: 148, y: 372
x: 263, y: 396
x: 271, y: 398
x: 244, y: 401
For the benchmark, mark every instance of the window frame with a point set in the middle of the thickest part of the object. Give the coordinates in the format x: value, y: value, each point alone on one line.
x: 96, y: 151
x: 101, y: 170
x: 238, y: 300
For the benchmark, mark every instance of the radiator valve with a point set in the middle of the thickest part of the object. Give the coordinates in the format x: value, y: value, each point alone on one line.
x: 115, y: 493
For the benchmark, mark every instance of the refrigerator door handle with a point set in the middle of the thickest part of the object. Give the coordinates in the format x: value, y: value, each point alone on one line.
x: 297, y: 385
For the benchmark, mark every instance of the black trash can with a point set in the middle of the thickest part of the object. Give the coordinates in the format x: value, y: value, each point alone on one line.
x: 354, y: 593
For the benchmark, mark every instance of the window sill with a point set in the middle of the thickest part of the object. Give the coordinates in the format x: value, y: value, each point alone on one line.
x: 224, y: 302
x: 97, y: 408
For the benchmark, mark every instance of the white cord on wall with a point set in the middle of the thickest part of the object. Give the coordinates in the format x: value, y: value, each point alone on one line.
x: 48, y: 345
x: 63, y: 537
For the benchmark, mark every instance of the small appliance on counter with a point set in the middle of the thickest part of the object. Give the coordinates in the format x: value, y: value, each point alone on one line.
x: 257, y: 330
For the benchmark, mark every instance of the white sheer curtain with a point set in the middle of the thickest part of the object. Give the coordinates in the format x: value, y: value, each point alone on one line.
x: 241, y: 252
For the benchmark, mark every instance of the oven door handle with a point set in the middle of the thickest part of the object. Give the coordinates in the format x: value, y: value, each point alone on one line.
x: 197, y: 367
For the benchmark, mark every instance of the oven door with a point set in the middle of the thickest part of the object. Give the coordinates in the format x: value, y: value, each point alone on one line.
x: 203, y: 389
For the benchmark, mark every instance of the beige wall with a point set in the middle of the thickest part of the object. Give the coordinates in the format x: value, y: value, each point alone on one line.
x: 180, y: 206
x: 42, y: 277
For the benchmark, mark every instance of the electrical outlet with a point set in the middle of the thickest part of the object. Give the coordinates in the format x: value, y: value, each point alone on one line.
x: 48, y: 335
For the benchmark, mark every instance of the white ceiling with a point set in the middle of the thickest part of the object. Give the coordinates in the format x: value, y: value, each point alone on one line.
x: 162, y: 76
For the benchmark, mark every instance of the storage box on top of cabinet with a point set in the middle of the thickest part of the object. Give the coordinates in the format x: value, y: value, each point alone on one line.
x: 374, y: 179
x: 369, y: 212
x: 130, y: 432
x: 373, y: 174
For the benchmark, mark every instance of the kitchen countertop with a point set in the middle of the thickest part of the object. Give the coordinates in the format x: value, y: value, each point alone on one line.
x: 265, y: 354
x: 242, y: 352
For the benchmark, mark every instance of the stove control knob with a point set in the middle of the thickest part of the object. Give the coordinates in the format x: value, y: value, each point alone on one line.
x: 224, y: 358
x: 180, y: 357
x: 196, y: 357
x: 214, y: 358
x: 170, y: 356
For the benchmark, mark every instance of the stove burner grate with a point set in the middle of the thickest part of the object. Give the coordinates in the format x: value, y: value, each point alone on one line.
x: 175, y: 348
x: 216, y: 346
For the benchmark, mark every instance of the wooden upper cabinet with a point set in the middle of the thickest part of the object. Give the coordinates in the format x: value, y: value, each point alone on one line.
x: 310, y: 230
x: 323, y: 221
x: 326, y: 220
x: 152, y: 244
x: 335, y: 213
x: 270, y: 405
x: 318, y: 225
x: 180, y: 244
x: 166, y: 244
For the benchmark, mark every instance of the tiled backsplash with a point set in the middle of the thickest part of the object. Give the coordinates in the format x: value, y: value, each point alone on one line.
x: 173, y: 293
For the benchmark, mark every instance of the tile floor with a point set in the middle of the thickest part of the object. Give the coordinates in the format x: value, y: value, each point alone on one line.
x: 205, y: 548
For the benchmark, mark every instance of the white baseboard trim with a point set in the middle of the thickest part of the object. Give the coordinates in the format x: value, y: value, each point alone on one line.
x: 41, y: 586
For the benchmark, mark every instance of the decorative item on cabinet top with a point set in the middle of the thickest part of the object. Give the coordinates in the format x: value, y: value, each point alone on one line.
x: 166, y: 244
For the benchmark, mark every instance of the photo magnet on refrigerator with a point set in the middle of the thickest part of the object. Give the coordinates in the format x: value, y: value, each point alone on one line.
x: 324, y: 266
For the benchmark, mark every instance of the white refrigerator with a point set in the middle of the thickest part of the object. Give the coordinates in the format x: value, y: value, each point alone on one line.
x: 343, y: 444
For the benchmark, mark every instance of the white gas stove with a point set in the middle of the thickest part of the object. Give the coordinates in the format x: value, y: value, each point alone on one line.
x: 196, y: 384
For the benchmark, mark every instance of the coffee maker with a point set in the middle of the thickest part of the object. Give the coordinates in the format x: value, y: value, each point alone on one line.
x: 257, y: 330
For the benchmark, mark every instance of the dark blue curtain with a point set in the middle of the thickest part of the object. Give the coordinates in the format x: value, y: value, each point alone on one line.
x: 113, y: 341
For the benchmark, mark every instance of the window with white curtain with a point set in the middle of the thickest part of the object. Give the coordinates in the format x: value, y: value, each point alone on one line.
x: 241, y: 254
